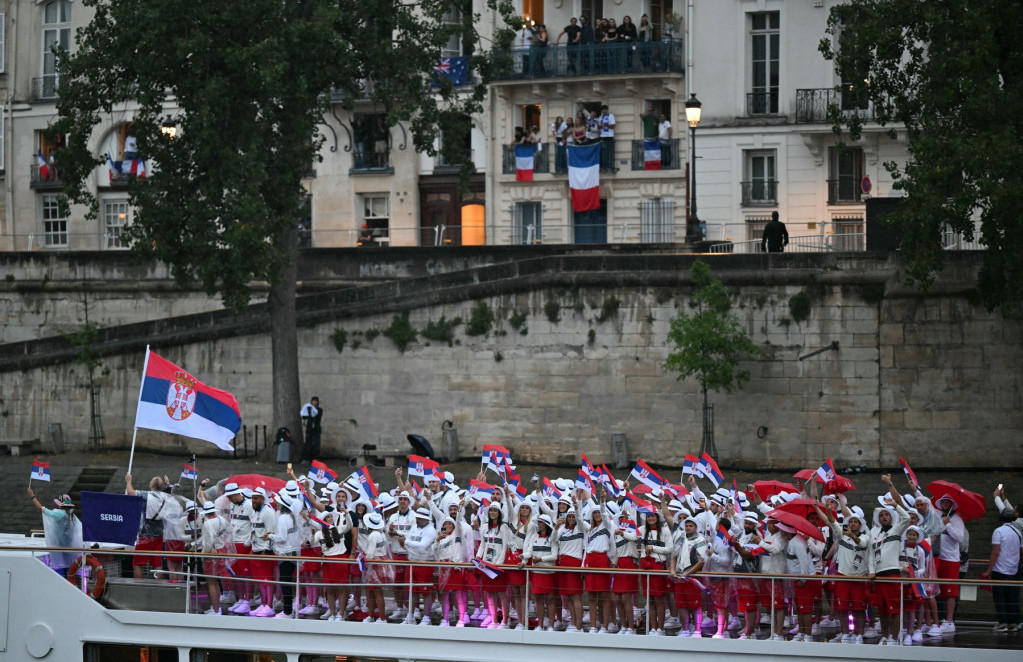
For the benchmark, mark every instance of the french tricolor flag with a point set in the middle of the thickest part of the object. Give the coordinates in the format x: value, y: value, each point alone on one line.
x: 44, y: 167
x: 189, y: 472
x: 909, y: 473
x: 364, y: 480
x: 689, y: 465
x: 584, y: 176
x: 40, y: 471
x: 646, y: 475
x: 524, y: 155
x: 174, y: 401
x: 320, y: 472
x: 826, y: 472
x: 710, y: 469
x: 651, y: 154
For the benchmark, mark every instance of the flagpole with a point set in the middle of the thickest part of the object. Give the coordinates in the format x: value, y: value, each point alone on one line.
x: 135, y: 433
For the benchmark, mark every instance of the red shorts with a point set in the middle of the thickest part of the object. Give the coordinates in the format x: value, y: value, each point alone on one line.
x: 514, y: 577
x: 262, y: 569
x: 354, y: 573
x: 240, y: 567
x: 151, y: 545
x: 626, y: 582
x: 780, y: 589
x: 422, y: 579
x: 688, y: 594
x: 495, y: 585
x: 542, y: 583
x: 310, y: 567
x: 214, y: 567
x: 850, y: 596
x: 173, y: 546
x: 888, y: 594
x: 400, y: 571
x: 806, y: 595
x: 948, y: 570
x: 721, y: 592
x: 450, y: 579
x: 598, y: 582
x: 379, y: 573
x: 335, y: 573
x: 656, y: 585
x: 749, y: 594
x: 570, y: 583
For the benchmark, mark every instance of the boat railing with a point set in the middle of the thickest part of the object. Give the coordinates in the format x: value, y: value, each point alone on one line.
x: 771, y: 584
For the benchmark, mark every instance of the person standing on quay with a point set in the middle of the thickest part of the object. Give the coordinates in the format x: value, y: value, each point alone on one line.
x: 776, y: 236
x: 312, y: 414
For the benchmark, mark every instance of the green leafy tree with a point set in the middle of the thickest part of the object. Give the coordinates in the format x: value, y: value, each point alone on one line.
x: 949, y: 72
x: 708, y: 343
x: 246, y: 85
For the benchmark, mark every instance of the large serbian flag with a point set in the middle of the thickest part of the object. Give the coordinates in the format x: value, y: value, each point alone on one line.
x: 651, y: 155
x: 524, y: 155
x: 584, y: 176
x: 174, y: 401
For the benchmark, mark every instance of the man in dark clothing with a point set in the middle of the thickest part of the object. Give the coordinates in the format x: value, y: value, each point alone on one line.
x: 776, y: 237
x: 586, y: 39
x: 574, y: 34
x: 312, y: 414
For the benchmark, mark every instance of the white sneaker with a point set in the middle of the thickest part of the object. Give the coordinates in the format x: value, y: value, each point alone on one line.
x: 765, y: 619
x: 571, y: 628
x: 548, y: 629
x: 718, y: 635
x: 829, y: 623
x: 241, y: 607
x: 307, y: 610
x: 918, y: 635
x: 283, y: 615
x: 613, y: 629
x: 683, y: 633
x: 444, y: 623
x: 476, y: 613
x: 460, y: 624
x: 788, y: 622
x: 228, y: 596
x: 777, y: 637
x: 797, y: 637
x: 883, y: 641
x: 326, y: 616
x: 396, y: 613
x: 733, y: 623
x: 426, y: 621
x: 933, y: 631
x: 672, y: 621
x: 695, y: 634
x: 657, y: 632
x: 839, y: 639
x: 869, y: 632
x: 794, y: 630
x: 948, y: 627
x: 486, y: 621
x: 815, y: 630
x: 907, y: 640
x: 519, y: 627
x: 369, y: 619
x: 417, y: 614
x: 742, y: 636
x: 210, y: 612
x: 858, y: 639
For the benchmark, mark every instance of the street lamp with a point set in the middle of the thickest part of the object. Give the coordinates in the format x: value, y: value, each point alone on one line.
x: 169, y: 129
x: 694, y: 109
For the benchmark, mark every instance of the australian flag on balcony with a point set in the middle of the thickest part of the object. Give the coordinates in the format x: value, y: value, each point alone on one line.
x: 455, y: 69
x: 651, y: 154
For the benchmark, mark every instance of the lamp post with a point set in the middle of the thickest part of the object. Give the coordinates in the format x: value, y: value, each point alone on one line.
x: 694, y: 109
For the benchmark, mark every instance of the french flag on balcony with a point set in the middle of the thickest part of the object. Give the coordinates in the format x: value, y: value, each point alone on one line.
x: 44, y: 167
x: 584, y: 176
x: 652, y: 154
x: 524, y: 156
x: 710, y: 469
x: 646, y: 475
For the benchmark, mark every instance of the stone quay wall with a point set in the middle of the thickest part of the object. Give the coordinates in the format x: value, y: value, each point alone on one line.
x: 575, y: 353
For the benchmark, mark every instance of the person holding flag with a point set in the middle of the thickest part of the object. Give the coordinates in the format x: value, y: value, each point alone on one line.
x: 150, y: 536
x: 749, y: 589
x: 852, y: 559
x: 688, y: 557
x: 61, y: 528
x: 375, y: 547
x: 722, y: 558
x: 571, y: 549
x: 885, y: 540
x: 419, y: 544
x: 655, y: 547
x: 448, y: 547
x: 541, y: 550
x: 494, y: 543
x: 515, y: 580
x: 331, y: 540
x: 625, y: 585
x: 599, y: 553
x: 264, y: 522
x: 398, y: 526
x: 917, y: 563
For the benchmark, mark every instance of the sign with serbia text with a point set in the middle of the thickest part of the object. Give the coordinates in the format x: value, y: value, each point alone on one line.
x: 112, y: 518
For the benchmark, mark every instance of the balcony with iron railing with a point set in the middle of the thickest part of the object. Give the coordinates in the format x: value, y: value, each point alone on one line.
x: 814, y: 106
x: 562, y: 60
x: 541, y: 159
x: 371, y: 161
x: 761, y: 192
x: 844, y: 191
x: 668, y: 155
x: 44, y: 178
x: 45, y: 88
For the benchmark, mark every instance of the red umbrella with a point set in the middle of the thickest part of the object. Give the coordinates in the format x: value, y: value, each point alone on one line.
x: 841, y: 484
x: 768, y: 488
x: 970, y: 504
x: 252, y: 481
x: 804, y: 474
x: 798, y: 523
x: 801, y: 507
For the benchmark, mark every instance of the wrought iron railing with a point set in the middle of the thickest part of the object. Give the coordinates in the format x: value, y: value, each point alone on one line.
x: 844, y: 190
x: 49, y: 180
x: 762, y: 103
x: 814, y: 105
x: 759, y: 192
x: 541, y: 158
x: 562, y: 60
x: 669, y: 155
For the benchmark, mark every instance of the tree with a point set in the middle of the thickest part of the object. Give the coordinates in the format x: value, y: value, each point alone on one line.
x: 949, y: 72
x: 245, y: 85
x: 709, y: 344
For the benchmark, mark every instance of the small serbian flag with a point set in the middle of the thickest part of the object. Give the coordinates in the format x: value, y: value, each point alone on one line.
x: 610, y: 484
x: 421, y: 466
x: 174, y: 401
x: 919, y: 590
x: 756, y: 550
x: 550, y: 490
x: 735, y: 498
x: 584, y: 176
x: 583, y: 481
x: 724, y: 535
x: 591, y: 472
x: 437, y: 475
x: 909, y: 473
x: 362, y: 478
x: 643, y: 506
x: 515, y: 481
x: 826, y: 472
x: 629, y: 526
x: 699, y: 584
x: 44, y: 167
x: 189, y: 472
x: 646, y: 475
x: 524, y: 155
x: 40, y: 471
x: 710, y: 469
x: 497, y: 458
x: 360, y: 560
x: 488, y: 569
x: 651, y: 154
x: 320, y: 472
x: 689, y: 465
x: 479, y: 490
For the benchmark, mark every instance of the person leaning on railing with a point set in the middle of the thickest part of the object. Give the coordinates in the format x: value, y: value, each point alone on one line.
x: 1003, y: 565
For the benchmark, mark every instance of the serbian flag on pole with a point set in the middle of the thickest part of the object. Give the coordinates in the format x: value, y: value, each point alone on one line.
x: 40, y: 471
x: 515, y: 481
x: 591, y: 472
x: 44, y: 167
x: 735, y: 498
x: 909, y: 473
x: 652, y: 154
x: 360, y: 560
x: 524, y: 155
x: 421, y: 466
x: 628, y: 526
x: 710, y: 469
x: 189, y: 472
x: 362, y: 478
x: 550, y: 490
x: 826, y: 472
x: 480, y: 491
x: 689, y: 464
x: 610, y: 483
x: 646, y: 475
x: 174, y: 401
x: 724, y: 535
x: 584, y: 176
x: 582, y: 481
x: 642, y: 506
x: 321, y: 473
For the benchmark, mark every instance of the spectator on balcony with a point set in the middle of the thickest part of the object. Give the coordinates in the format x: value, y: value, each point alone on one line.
x: 131, y: 148
x: 607, y: 139
x: 628, y: 35
x: 612, y: 51
x: 574, y: 34
x: 776, y: 236
x: 581, y: 127
x: 525, y: 44
x: 645, y: 36
x: 538, y: 51
x: 586, y: 40
x: 558, y: 128
x: 664, y: 135
x: 649, y: 119
x: 562, y: 131
x: 381, y: 138
x: 535, y: 137
x: 362, y: 138
x: 520, y: 137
